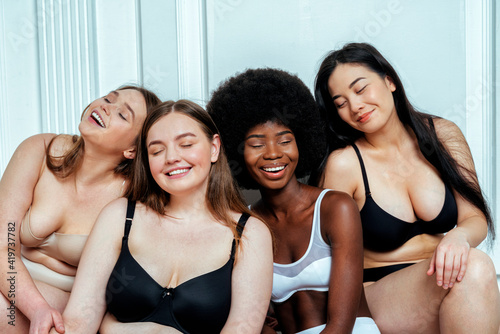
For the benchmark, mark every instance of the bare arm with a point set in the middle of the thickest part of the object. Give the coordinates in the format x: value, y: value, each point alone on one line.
x: 16, y: 195
x: 341, y: 222
x: 449, y: 261
x: 342, y: 171
x: 87, y: 303
x: 251, y: 280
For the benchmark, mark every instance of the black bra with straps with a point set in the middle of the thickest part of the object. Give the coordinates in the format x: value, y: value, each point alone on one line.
x: 199, y: 305
x: 383, y: 232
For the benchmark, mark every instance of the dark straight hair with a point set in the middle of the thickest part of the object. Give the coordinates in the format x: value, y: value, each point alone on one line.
x: 340, y: 134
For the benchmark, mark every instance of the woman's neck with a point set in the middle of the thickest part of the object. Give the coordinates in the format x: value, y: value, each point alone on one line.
x: 188, y: 205
x: 287, y: 199
x: 96, y: 169
x: 393, y: 135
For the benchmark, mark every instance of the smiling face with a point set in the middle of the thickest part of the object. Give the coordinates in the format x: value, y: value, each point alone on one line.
x: 114, y: 121
x: 363, y: 99
x: 180, y: 154
x: 271, y: 155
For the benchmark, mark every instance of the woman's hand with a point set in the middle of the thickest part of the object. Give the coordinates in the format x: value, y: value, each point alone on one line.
x: 44, y: 319
x: 449, y: 261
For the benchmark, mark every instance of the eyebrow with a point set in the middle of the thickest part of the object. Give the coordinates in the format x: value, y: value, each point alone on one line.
x: 183, y: 135
x: 126, y: 104
x: 277, y: 135
x: 350, y: 86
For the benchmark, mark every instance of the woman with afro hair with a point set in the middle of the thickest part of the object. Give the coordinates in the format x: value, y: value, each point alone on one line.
x: 270, y: 127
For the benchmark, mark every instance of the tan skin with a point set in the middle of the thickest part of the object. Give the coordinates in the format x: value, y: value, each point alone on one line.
x: 69, y: 205
x: 288, y: 206
x: 456, y: 283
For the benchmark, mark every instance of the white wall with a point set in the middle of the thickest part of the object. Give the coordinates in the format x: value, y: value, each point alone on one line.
x: 57, y: 55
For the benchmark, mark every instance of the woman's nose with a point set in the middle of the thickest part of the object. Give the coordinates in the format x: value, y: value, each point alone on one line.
x: 272, y: 152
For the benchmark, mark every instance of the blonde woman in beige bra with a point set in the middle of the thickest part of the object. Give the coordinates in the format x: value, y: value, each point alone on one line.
x: 50, y: 196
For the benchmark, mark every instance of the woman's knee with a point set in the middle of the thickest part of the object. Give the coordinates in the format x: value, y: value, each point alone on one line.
x: 480, y: 271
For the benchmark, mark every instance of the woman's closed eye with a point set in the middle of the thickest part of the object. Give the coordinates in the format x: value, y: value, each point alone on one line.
x: 285, y: 142
x: 361, y: 90
x: 341, y: 105
x: 155, y: 151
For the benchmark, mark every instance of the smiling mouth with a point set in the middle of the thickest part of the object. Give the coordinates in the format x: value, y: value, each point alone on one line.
x: 363, y: 118
x: 95, y: 116
x: 273, y: 169
x: 178, y: 171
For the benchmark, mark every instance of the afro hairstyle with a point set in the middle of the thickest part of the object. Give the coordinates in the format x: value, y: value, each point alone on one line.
x: 257, y: 96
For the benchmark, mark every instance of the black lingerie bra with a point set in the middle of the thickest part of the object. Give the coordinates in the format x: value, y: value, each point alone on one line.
x: 199, y: 305
x: 383, y: 232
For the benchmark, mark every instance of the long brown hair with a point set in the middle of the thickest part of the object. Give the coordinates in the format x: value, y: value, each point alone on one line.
x: 64, y: 165
x: 222, y: 196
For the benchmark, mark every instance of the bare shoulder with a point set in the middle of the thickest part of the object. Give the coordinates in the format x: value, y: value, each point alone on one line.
x: 61, y: 144
x: 114, y: 211
x: 452, y: 138
x: 447, y: 130
x: 338, y: 203
x: 341, y: 160
x: 342, y: 170
x: 36, y: 142
x: 256, y: 227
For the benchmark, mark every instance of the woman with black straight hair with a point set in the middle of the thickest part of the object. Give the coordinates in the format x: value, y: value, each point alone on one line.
x: 422, y: 210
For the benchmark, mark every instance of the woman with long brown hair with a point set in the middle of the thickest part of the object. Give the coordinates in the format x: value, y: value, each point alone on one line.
x: 181, y: 253
x: 50, y: 195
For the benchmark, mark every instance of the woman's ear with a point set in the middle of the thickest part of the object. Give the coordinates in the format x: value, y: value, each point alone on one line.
x: 390, y: 83
x: 130, y: 153
x: 215, y: 147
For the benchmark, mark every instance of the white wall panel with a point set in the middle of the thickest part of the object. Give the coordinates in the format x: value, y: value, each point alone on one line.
x: 19, y: 75
x: 191, y: 30
x: 68, y: 69
x: 158, y: 24
x: 118, y: 45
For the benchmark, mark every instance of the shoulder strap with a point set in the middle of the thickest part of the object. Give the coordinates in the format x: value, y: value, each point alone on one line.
x: 241, y: 223
x: 239, y: 228
x: 363, y: 170
x: 128, y: 220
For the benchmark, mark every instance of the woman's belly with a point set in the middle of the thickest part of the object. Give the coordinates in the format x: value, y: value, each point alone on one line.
x: 416, y: 249
x: 44, y: 274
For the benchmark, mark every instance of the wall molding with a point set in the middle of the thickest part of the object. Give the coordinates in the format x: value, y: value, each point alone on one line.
x: 67, y: 61
x: 480, y: 118
x: 192, y: 50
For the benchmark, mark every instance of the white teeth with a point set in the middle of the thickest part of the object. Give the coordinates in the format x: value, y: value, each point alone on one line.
x: 178, y: 171
x: 98, y: 118
x: 274, y: 169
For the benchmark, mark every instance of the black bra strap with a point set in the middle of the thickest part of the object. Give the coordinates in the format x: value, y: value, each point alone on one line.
x: 241, y: 223
x: 239, y: 228
x: 130, y: 216
x: 363, y: 170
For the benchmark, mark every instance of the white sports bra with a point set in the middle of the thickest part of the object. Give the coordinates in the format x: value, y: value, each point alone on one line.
x: 311, y: 271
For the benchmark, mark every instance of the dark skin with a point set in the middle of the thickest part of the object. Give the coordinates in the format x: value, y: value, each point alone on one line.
x: 289, y: 211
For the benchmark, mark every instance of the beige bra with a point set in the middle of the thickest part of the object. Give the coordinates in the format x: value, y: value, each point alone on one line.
x: 64, y: 247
